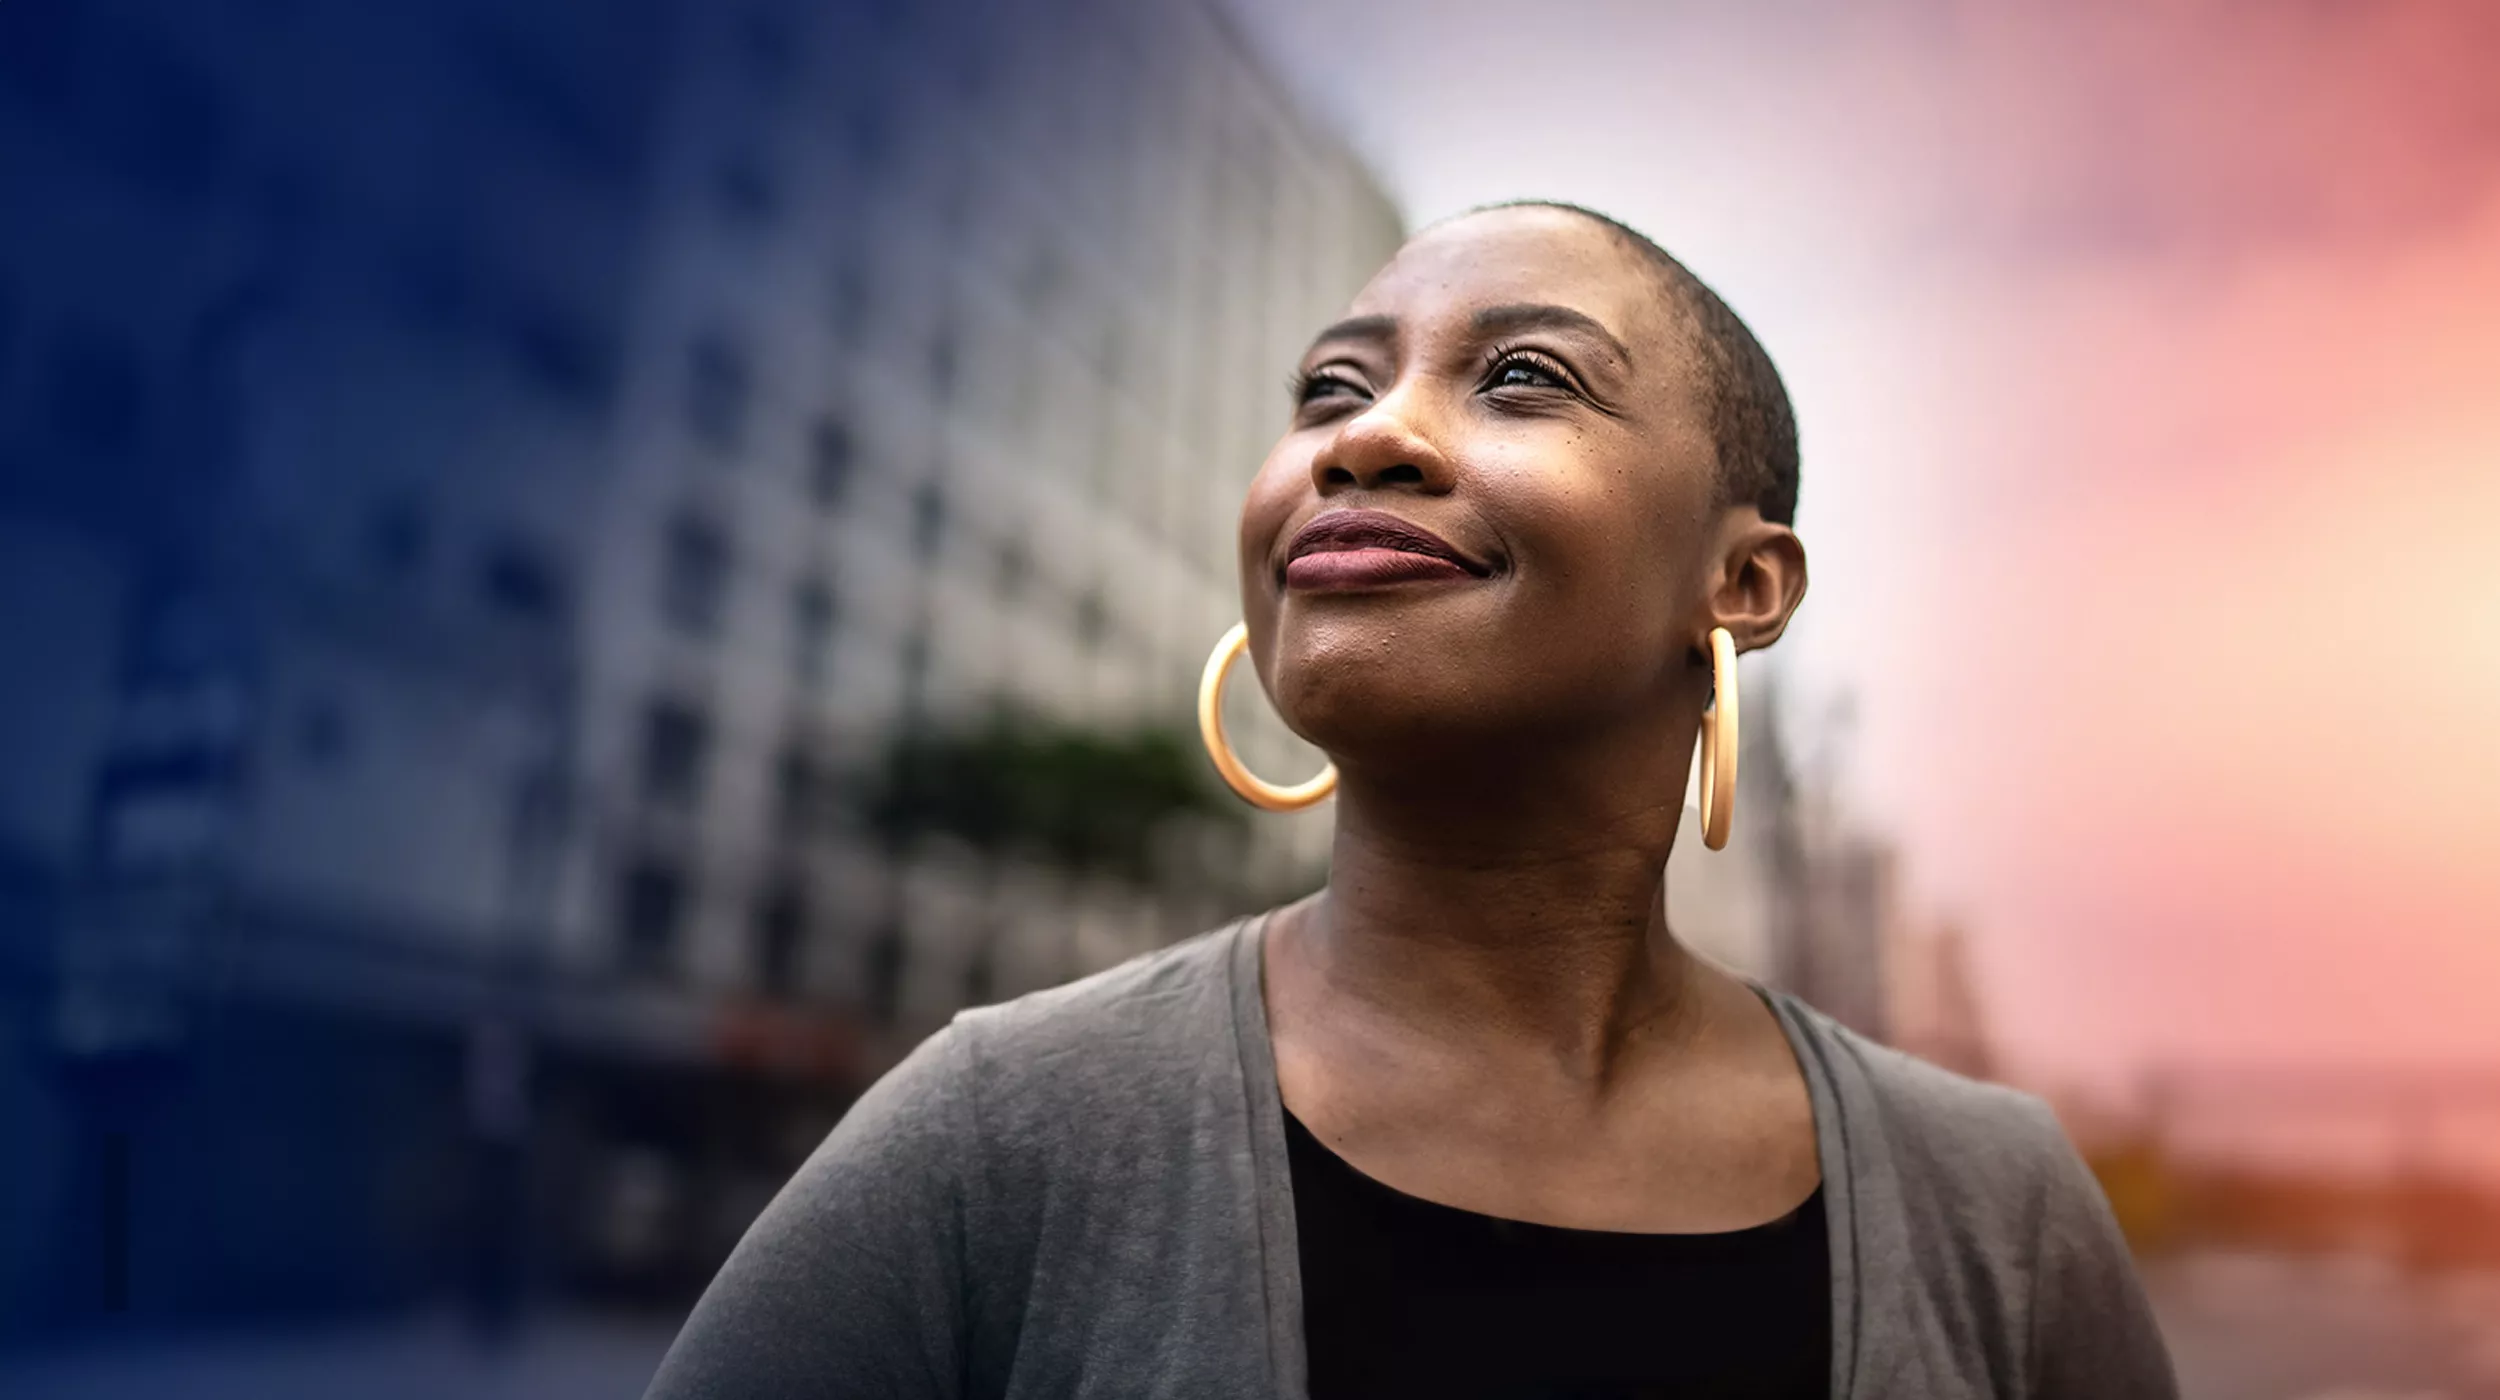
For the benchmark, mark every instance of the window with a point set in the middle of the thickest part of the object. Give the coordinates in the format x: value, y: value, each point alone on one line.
x: 928, y: 517
x: 717, y: 389
x: 802, y: 793
x: 811, y: 632
x: 828, y: 463
x: 780, y: 937
x: 676, y: 743
x: 651, y: 914
x: 518, y: 579
x: 694, y: 582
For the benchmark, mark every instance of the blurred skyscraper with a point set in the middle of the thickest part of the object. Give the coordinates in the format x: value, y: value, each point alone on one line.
x: 481, y: 485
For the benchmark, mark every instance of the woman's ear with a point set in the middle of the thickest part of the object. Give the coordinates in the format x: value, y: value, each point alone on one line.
x: 1758, y: 578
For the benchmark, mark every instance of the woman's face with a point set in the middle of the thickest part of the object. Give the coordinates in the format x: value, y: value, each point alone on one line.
x: 1492, y: 514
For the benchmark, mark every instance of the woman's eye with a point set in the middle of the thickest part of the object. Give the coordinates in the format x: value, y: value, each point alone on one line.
x: 1314, y: 387
x: 1521, y: 372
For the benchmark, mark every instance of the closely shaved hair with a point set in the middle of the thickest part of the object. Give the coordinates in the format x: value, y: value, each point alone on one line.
x: 1752, y: 424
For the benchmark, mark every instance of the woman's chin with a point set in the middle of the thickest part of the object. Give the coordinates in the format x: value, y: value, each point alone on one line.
x: 1366, y: 711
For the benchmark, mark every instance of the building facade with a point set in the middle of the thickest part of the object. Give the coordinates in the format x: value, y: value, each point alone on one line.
x: 482, y: 491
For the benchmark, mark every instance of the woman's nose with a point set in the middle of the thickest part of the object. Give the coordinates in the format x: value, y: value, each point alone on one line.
x: 1381, y: 449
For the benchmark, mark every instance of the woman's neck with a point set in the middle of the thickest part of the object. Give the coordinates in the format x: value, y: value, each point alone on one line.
x: 1523, y: 909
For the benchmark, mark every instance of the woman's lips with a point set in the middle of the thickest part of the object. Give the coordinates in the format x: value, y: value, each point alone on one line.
x: 1368, y: 568
x: 1356, y: 548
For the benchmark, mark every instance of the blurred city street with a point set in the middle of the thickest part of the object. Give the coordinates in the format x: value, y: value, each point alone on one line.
x: 2241, y: 1327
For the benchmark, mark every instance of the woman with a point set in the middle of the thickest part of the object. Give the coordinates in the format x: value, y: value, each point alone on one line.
x: 1469, y: 1120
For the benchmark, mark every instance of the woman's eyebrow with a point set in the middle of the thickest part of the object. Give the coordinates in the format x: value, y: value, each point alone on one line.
x: 1359, y: 328
x: 1529, y: 316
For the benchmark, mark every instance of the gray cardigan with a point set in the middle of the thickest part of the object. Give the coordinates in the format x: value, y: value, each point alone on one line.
x: 1084, y: 1192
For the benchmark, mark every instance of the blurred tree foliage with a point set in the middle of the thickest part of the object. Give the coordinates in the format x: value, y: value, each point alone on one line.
x: 1132, y: 803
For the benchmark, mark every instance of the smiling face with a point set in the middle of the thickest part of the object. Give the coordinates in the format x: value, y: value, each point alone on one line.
x: 1494, y: 513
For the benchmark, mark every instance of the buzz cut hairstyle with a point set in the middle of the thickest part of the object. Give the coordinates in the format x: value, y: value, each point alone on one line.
x: 1752, y: 425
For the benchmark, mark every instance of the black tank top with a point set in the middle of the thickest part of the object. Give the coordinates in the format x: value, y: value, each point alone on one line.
x: 1403, y: 1296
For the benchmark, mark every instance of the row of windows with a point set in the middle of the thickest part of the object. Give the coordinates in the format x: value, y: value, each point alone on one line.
x: 720, y: 387
x: 695, y: 589
x: 654, y: 901
x: 678, y: 739
x: 696, y: 570
x: 516, y: 575
x: 698, y: 564
x: 441, y: 286
x: 719, y: 381
x: 720, y: 398
x: 674, y: 761
x: 654, y: 904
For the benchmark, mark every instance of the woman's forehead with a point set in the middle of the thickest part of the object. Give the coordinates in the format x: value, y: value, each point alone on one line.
x: 1517, y: 256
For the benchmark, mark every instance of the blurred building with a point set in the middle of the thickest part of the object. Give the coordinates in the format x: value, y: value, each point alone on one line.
x: 1802, y: 897
x: 479, y: 485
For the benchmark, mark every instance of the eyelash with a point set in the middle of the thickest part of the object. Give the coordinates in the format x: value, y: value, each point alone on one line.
x: 1505, y: 355
x: 1299, y: 386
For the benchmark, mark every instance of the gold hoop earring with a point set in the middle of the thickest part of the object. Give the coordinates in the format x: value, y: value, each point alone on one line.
x: 1718, y: 743
x: 1256, y: 791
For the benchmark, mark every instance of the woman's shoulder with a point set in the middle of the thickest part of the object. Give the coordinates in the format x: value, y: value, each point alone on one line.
x: 1924, y: 1106
x: 1036, y: 1125
x: 1127, y: 1042
x: 1173, y: 999
x: 1975, y: 1189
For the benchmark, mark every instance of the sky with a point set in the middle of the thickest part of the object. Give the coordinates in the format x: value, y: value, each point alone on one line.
x: 2147, y: 365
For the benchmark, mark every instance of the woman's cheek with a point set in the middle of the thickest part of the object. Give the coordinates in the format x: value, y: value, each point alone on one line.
x: 1270, y: 500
